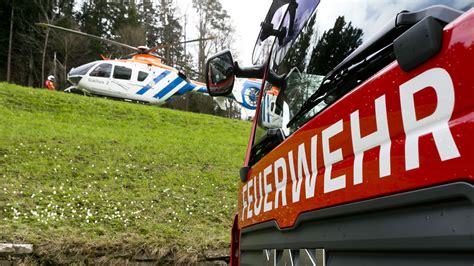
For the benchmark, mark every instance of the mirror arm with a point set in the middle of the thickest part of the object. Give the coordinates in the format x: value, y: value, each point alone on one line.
x: 249, y: 72
x: 258, y: 72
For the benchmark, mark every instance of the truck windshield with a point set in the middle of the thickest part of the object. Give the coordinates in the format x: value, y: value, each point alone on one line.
x: 332, y: 32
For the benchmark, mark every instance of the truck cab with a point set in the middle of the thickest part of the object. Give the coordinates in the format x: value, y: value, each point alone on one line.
x: 361, y: 150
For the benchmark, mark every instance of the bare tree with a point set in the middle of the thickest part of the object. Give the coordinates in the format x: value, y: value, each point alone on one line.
x: 213, y: 21
x: 131, y: 35
x: 30, y: 45
x: 72, y: 43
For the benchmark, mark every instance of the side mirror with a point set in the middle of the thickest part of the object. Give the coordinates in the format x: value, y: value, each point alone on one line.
x: 220, y: 74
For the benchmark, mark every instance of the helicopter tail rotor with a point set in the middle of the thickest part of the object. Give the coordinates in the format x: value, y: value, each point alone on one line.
x: 246, y: 92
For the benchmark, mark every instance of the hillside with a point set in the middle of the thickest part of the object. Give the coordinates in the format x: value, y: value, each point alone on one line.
x: 89, y: 179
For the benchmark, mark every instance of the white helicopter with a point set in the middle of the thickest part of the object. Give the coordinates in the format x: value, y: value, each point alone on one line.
x: 144, y: 78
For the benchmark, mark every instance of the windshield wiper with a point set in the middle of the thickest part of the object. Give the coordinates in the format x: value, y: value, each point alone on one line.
x: 345, y: 79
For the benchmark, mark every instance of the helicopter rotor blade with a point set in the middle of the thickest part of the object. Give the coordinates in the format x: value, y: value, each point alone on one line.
x: 198, y: 40
x: 163, y: 45
x: 45, y: 25
x: 137, y: 50
x: 189, y: 69
x: 194, y: 71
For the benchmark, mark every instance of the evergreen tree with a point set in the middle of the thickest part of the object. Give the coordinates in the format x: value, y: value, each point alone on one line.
x: 94, y: 18
x: 149, y: 20
x: 299, y: 49
x: 334, y: 45
x: 169, y: 33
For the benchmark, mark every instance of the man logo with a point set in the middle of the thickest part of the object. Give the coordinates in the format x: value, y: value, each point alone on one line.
x: 291, y: 257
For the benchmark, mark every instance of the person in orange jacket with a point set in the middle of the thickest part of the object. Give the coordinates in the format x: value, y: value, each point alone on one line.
x: 49, y: 84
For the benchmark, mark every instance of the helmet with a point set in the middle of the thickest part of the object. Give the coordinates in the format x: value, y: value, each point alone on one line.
x: 50, y: 77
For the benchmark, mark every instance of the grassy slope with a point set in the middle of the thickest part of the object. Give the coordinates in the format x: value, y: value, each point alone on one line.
x: 93, y: 177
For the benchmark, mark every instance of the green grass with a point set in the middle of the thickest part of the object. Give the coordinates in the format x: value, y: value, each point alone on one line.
x: 86, y: 178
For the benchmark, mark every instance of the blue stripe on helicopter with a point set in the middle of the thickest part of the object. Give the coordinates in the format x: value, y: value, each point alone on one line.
x: 186, y: 88
x: 168, y: 88
x: 143, y: 90
x: 155, y: 80
x: 202, y: 89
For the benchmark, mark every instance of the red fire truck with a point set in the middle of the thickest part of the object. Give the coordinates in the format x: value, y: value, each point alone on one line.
x: 362, y: 147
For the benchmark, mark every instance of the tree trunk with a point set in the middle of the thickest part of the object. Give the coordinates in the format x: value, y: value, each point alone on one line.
x: 201, y: 53
x: 66, y: 55
x: 54, y: 65
x: 44, y: 56
x: 9, y: 60
x: 31, y: 66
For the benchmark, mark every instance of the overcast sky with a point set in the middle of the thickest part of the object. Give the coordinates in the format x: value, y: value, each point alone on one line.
x: 246, y: 17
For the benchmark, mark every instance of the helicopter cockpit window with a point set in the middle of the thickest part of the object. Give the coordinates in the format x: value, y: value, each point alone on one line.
x: 121, y: 72
x: 102, y: 70
x: 142, y: 76
x: 82, y: 70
